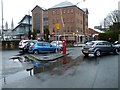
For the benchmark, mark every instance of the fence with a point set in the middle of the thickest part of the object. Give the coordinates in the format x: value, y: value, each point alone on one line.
x: 9, y: 44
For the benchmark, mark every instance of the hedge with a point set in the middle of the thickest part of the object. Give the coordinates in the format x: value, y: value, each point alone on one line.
x: 113, y: 35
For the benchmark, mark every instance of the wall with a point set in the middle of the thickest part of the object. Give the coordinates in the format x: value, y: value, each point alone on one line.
x: 10, y: 44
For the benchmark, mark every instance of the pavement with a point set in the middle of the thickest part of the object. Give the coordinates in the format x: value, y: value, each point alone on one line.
x: 48, y: 57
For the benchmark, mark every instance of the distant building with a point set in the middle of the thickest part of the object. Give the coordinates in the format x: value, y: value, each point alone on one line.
x: 22, y: 30
x: 6, y: 35
x: 73, y: 21
x: 93, y: 33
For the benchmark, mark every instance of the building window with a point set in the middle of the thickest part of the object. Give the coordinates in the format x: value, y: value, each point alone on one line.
x: 71, y: 10
x: 68, y: 20
x: 68, y: 11
x: 68, y: 29
x: 57, y: 12
x: 64, y: 20
x: 71, y: 29
x: 53, y: 12
x: 64, y: 11
x: 57, y: 20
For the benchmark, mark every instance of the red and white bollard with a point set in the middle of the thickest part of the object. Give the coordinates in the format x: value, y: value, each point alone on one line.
x: 64, y: 46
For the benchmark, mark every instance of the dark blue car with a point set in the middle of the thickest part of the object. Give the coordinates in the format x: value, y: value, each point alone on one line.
x: 43, y: 47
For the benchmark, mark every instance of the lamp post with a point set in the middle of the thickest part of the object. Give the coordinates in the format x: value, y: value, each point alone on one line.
x: 77, y: 36
x: 2, y: 18
x: 3, y: 61
x: 104, y: 24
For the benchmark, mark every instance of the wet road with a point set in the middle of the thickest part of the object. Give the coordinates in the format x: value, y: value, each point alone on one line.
x: 73, y: 71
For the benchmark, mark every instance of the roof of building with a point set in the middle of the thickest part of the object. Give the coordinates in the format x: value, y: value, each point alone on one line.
x: 26, y: 16
x: 63, y: 4
x: 37, y: 7
x: 97, y: 30
x: 68, y: 4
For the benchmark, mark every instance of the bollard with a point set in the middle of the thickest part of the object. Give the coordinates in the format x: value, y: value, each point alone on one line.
x: 64, y: 46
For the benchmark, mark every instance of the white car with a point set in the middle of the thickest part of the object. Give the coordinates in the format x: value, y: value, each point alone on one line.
x: 57, y: 43
x: 23, y: 45
x: 117, y: 44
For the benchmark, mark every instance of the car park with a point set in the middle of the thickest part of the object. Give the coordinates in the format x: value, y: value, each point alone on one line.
x: 57, y: 43
x: 43, y: 47
x: 24, y: 45
x: 99, y: 47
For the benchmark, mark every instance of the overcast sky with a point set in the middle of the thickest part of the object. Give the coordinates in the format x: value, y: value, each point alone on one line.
x: 16, y: 9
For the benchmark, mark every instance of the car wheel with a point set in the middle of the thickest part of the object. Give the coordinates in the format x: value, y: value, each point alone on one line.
x: 116, y: 51
x: 36, y: 52
x: 56, y: 50
x: 98, y: 53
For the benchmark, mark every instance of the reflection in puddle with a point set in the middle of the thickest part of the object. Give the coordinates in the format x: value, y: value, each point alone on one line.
x: 64, y: 64
x: 91, y: 59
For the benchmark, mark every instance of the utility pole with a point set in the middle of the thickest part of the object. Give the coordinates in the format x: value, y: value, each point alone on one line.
x: 2, y: 18
x: 104, y: 24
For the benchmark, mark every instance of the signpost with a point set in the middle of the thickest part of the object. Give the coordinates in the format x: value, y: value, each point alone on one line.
x: 57, y: 25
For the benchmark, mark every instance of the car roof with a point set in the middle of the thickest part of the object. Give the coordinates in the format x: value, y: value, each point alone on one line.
x: 41, y: 42
x: 97, y: 41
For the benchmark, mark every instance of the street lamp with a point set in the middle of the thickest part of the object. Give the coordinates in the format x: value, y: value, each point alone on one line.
x: 2, y: 18
x: 77, y: 37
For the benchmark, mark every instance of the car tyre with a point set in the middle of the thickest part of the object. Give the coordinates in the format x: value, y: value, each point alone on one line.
x: 57, y: 50
x: 116, y: 51
x: 36, y: 52
x: 97, y: 53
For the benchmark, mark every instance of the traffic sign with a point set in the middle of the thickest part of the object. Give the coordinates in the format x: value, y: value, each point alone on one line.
x: 57, y: 25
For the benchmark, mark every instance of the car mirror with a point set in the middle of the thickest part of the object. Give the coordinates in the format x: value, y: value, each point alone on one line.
x: 50, y: 45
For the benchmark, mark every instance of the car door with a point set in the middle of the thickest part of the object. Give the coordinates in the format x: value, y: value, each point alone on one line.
x: 40, y: 47
x: 101, y: 46
x: 46, y: 47
x: 108, y: 47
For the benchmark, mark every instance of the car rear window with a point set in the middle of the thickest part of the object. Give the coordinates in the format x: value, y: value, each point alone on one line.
x: 89, y: 43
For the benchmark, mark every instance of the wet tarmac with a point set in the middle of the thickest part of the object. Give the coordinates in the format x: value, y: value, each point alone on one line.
x: 71, y: 71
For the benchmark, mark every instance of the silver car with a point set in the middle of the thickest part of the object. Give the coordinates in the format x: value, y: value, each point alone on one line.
x: 98, y: 48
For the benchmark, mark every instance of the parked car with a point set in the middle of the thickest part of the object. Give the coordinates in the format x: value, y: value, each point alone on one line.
x: 98, y: 48
x: 57, y: 43
x: 43, y: 47
x: 24, y: 45
x: 117, y: 44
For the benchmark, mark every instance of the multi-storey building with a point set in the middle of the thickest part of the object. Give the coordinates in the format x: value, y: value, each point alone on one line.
x: 72, y: 21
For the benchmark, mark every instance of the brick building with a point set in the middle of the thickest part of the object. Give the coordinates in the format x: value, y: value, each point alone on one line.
x: 73, y: 21
x: 93, y: 33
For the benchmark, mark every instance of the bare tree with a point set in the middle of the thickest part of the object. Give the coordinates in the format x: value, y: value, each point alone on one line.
x: 111, y: 18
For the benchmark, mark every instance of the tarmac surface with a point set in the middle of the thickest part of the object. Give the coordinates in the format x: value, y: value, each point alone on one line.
x: 71, y: 71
